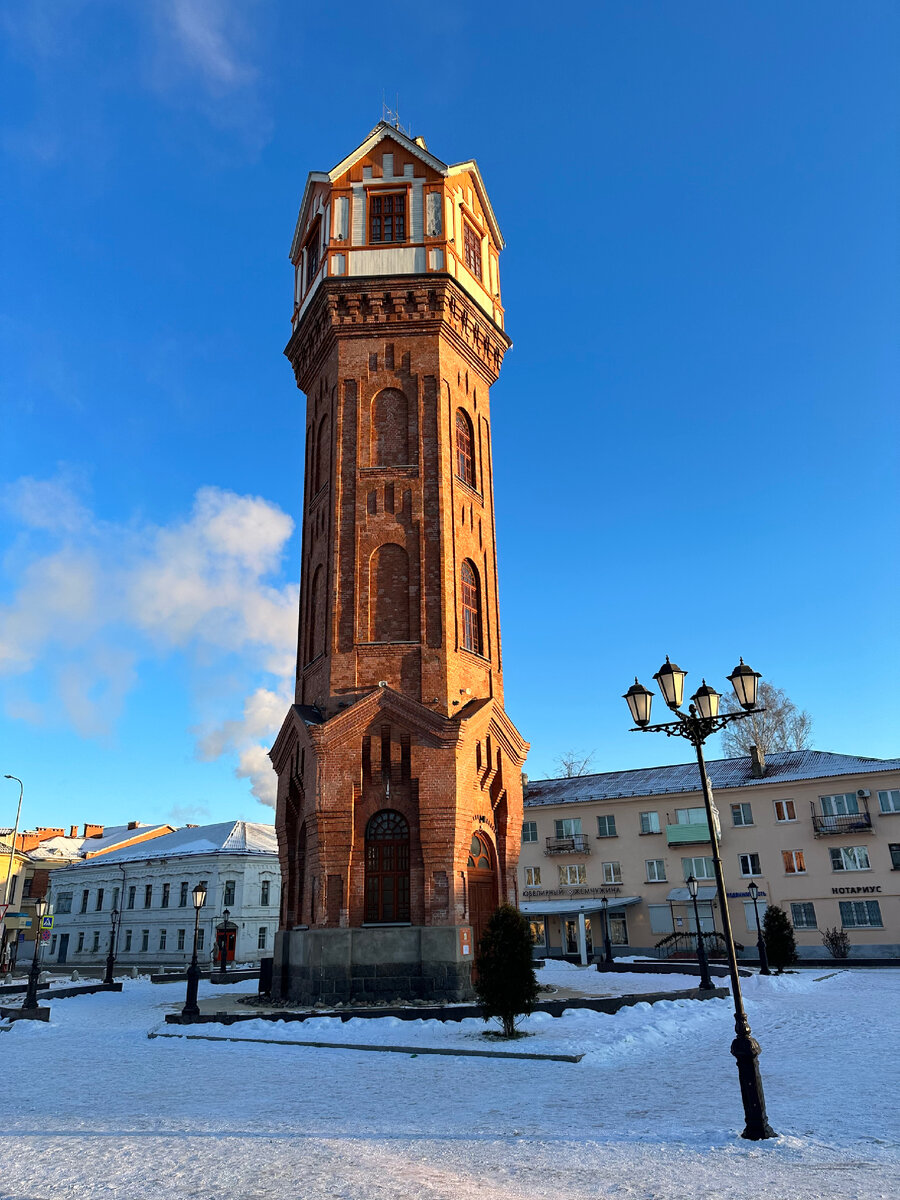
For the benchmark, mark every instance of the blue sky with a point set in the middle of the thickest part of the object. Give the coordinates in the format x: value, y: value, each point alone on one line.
x: 695, y: 432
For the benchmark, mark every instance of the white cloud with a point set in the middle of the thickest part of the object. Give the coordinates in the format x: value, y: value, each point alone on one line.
x: 102, y: 597
x: 205, y: 33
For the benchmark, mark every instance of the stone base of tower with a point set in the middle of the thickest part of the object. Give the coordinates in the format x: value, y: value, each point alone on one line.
x: 409, y: 962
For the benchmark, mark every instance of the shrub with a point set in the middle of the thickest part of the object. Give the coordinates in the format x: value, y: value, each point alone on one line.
x: 836, y: 942
x: 781, y: 946
x: 505, y: 982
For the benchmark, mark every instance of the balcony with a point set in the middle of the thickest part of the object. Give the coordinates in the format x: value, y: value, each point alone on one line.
x: 686, y: 835
x: 824, y: 824
x: 578, y: 843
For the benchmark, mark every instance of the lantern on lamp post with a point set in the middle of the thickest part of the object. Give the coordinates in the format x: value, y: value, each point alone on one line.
x: 191, y: 1007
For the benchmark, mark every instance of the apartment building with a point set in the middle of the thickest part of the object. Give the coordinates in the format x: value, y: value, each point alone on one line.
x: 819, y: 833
x: 149, y: 886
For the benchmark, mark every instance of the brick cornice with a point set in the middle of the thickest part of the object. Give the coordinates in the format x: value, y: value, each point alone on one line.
x: 359, y: 306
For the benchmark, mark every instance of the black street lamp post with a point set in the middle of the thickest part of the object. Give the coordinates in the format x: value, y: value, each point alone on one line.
x: 700, y: 722
x: 706, y: 984
x: 753, y: 889
x: 30, y: 1003
x: 223, y: 944
x: 607, y: 944
x: 191, y: 1007
x: 111, y: 957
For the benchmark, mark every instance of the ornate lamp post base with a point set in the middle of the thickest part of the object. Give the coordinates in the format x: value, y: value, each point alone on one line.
x: 745, y: 1049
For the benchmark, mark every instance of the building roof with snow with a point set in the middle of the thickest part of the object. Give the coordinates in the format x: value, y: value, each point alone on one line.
x: 225, y: 837
x: 791, y: 766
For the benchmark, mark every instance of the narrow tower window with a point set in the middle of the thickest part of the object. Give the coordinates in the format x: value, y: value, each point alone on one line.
x: 472, y: 249
x: 471, y: 607
x: 387, y: 217
x: 465, y: 443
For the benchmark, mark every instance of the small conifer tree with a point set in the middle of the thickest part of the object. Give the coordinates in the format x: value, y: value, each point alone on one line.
x: 781, y: 946
x: 505, y: 982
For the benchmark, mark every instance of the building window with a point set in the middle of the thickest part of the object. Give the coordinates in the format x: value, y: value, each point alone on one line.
x: 131, y: 895
x: 228, y: 898
x: 656, y: 870
x: 612, y: 872
x: 95, y: 945
x: 64, y: 902
x: 572, y: 875
x: 784, y: 810
x: 387, y: 216
x: 741, y: 814
x: 201, y: 938
x: 148, y: 895
x: 849, y: 858
x: 84, y: 900
x: 700, y: 868
x: 606, y: 827
x: 127, y: 940
x: 204, y: 883
x: 894, y: 848
x: 472, y: 249
x: 182, y: 895
x: 750, y: 914
x: 803, y: 915
x: 471, y: 607
x: 26, y: 887
x: 264, y: 894
x: 538, y: 932
x: 53, y: 944
x: 794, y: 862
x: 312, y: 247
x: 180, y: 939
x: 749, y: 864
x: 387, y: 868
x: 568, y: 827
x: 532, y: 876
x: 465, y: 448
x: 145, y: 940
x: 81, y: 939
x: 99, y: 905
x: 844, y: 804
x: 261, y: 938
x: 529, y: 831
x: 650, y: 822
x: 860, y: 914
x: 162, y: 939
x: 690, y: 816
x: 661, y: 920
x: 164, y: 903
x: 115, y: 902
x: 889, y: 802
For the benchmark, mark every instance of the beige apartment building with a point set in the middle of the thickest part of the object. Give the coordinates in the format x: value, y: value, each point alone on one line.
x: 819, y: 834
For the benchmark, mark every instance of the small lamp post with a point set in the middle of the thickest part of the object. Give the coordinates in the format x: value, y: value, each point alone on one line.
x: 30, y: 1003
x: 191, y: 1007
x: 753, y: 889
x: 607, y: 944
x: 701, y: 721
x: 706, y: 984
x: 111, y: 957
x: 223, y: 945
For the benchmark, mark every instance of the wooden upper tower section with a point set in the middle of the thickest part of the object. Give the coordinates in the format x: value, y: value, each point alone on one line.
x: 392, y: 208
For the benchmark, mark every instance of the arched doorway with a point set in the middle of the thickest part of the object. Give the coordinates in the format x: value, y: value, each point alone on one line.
x: 482, y: 880
x: 387, y: 868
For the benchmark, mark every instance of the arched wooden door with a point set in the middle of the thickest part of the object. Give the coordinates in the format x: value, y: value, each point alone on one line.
x: 387, y: 868
x: 482, y: 879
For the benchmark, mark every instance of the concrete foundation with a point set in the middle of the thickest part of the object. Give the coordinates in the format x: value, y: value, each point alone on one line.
x: 410, y: 962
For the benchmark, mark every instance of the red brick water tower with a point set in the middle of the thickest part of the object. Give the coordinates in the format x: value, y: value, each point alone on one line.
x: 399, y: 805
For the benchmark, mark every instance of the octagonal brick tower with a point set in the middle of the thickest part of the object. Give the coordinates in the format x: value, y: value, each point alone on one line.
x: 399, y: 773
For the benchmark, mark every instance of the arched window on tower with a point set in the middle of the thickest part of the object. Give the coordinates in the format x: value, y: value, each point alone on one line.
x: 465, y: 448
x: 315, y: 626
x: 323, y: 454
x: 387, y: 868
x: 470, y: 596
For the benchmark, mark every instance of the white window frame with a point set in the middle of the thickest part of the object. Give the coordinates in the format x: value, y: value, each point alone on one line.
x: 709, y: 871
x: 796, y: 870
x: 127, y: 949
x: 689, y: 816
x: 652, y: 821
x: 531, y: 827
x: 654, y: 876
x: 571, y: 827
x: 532, y: 876
x: 889, y: 797
x: 750, y: 914
x: 145, y: 941
x: 566, y: 872
x: 262, y: 937
x: 747, y: 871
x: 180, y: 938
x: 856, y: 853
x: 535, y: 923
x: 163, y: 938
x: 738, y: 810
x: 612, y: 872
x: 846, y: 907
x: 610, y: 824
x: 803, y: 924
x: 786, y: 806
x: 841, y: 804
x: 95, y: 944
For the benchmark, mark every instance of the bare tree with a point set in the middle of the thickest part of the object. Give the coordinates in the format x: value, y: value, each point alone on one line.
x: 781, y: 727
x: 572, y: 763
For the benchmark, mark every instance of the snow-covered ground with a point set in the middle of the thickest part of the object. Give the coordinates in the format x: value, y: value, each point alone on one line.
x: 93, y: 1108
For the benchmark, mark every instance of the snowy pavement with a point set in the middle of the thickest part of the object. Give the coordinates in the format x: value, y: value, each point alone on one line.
x: 93, y: 1108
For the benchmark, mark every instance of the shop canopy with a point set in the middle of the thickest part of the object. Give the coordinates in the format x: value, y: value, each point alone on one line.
x: 682, y: 895
x: 545, y: 908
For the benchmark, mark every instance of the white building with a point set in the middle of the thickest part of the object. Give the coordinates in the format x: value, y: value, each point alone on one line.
x: 150, y: 887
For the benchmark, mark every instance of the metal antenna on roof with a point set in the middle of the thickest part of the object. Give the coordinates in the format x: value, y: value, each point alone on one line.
x: 391, y: 116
